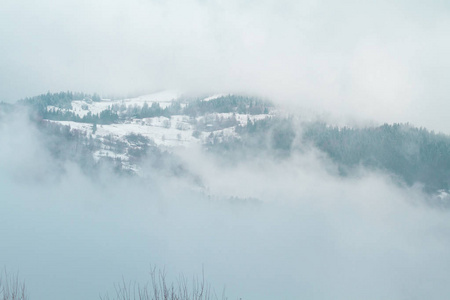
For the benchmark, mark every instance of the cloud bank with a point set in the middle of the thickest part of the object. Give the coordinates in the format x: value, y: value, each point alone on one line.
x: 382, y: 60
x: 309, y: 234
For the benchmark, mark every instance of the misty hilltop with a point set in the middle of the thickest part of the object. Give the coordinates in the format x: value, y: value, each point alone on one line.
x: 151, y: 132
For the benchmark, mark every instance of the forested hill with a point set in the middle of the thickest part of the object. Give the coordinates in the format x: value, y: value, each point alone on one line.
x: 60, y: 107
x: 234, y: 127
x: 415, y: 154
x: 60, y: 100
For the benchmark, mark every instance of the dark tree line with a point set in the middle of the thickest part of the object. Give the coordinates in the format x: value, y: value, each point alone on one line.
x: 228, y: 104
x: 61, y: 99
x: 104, y: 117
x: 272, y: 136
x: 147, y: 111
x: 62, y: 103
x: 414, y: 154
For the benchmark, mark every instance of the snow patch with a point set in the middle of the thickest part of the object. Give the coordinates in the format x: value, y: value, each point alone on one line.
x: 214, y: 97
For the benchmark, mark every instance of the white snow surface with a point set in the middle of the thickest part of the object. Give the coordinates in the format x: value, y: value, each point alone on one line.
x: 214, y: 97
x: 83, y: 107
x: 175, y: 131
x: 160, y: 130
x: 164, y: 99
x: 167, y: 133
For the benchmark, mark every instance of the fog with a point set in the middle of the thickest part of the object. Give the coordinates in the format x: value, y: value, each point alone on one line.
x: 263, y: 229
x: 384, y: 60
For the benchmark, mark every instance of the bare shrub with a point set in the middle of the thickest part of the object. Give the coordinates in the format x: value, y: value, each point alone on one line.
x: 159, y: 289
x: 11, y: 288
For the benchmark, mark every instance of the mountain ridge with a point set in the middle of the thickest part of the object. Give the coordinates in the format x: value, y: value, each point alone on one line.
x: 128, y: 132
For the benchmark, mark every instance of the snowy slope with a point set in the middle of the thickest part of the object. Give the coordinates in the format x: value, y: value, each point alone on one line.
x: 83, y: 107
x: 166, y: 133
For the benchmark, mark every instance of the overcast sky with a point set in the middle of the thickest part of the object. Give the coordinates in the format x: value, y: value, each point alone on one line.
x: 384, y: 60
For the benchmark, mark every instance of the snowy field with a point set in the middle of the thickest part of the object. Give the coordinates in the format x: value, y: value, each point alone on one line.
x: 83, y: 107
x: 168, y: 133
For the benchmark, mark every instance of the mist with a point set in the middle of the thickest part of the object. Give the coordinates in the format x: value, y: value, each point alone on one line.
x: 385, y: 61
x: 262, y: 229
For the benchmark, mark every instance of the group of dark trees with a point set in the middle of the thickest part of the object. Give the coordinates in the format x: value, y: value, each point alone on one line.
x: 228, y: 104
x: 104, y: 117
x: 61, y: 99
x: 62, y: 103
x: 269, y: 136
x: 67, y: 144
x: 193, y: 108
x: 413, y: 155
x: 148, y: 111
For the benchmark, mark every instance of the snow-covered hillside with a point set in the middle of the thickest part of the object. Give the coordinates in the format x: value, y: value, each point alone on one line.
x: 166, y: 132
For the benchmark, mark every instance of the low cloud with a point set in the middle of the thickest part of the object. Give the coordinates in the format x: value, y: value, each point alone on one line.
x: 302, y: 233
x: 387, y: 62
